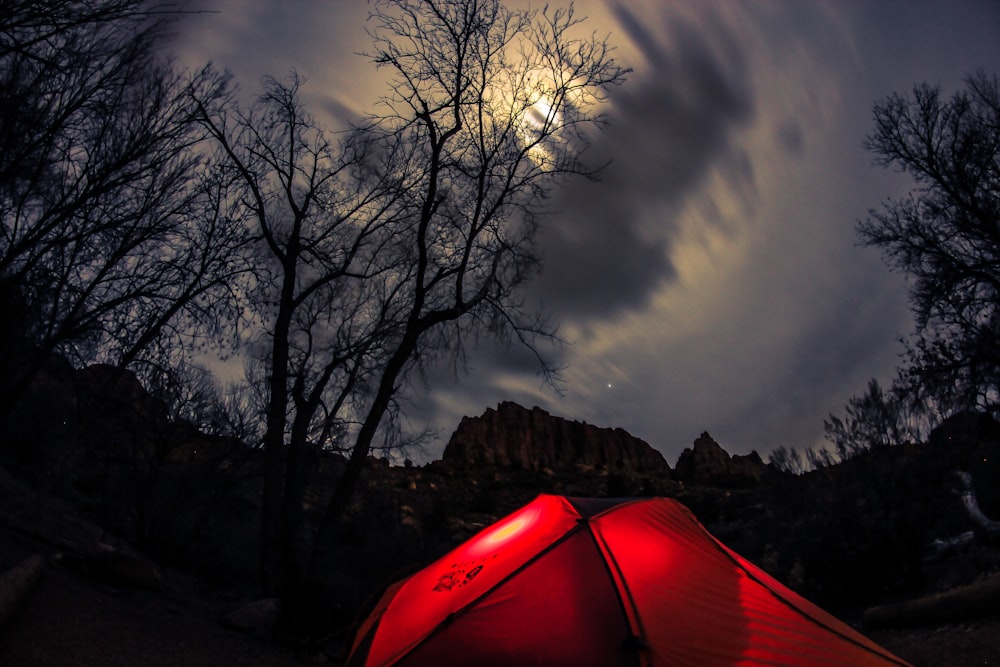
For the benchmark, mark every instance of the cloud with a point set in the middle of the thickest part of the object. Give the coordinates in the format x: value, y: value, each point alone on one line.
x: 609, y: 248
x: 676, y: 278
x: 712, y: 277
x: 790, y: 137
x: 320, y: 41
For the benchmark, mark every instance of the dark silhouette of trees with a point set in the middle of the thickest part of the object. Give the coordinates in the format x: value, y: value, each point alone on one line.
x: 149, y: 215
x: 403, y: 241
x: 945, y: 236
x: 877, y: 418
x: 112, y: 235
x: 326, y: 266
x: 798, y: 461
x: 486, y: 108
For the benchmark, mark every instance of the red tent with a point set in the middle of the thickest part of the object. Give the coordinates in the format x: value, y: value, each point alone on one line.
x: 602, y: 582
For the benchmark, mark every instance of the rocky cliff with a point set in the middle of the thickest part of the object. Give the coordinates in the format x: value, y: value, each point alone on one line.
x: 709, y: 464
x: 512, y: 436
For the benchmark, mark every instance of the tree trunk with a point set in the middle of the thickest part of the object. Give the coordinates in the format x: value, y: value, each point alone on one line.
x: 326, y: 537
x: 966, y: 493
x: 293, y: 537
x: 271, y: 498
x: 984, y: 527
x: 271, y: 552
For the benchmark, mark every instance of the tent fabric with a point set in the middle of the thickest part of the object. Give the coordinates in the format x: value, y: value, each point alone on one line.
x: 601, y: 582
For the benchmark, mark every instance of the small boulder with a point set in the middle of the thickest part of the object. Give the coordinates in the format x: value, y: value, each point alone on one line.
x: 256, y: 618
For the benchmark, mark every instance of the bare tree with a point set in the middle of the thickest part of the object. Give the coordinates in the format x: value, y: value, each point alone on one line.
x: 48, y: 50
x: 946, y: 235
x: 788, y: 460
x: 405, y: 240
x: 487, y: 108
x: 322, y: 294
x: 113, y: 227
x: 879, y: 418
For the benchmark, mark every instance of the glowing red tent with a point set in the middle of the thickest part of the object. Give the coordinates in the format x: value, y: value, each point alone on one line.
x: 580, y: 582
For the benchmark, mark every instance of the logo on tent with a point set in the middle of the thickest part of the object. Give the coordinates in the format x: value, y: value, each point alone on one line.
x: 459, y: 575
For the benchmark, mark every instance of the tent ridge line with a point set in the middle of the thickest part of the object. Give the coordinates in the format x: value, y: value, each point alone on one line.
x: 622, y: 591
x: 450, y: 618
x: 788, y: 603
x: 619, y: 503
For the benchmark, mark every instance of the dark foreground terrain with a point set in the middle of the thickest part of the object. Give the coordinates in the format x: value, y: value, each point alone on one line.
x: 72, y: 619
x: 147, y: 530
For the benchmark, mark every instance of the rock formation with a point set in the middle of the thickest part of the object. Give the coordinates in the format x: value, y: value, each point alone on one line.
x: 708, y: 464
x: 512, y: 436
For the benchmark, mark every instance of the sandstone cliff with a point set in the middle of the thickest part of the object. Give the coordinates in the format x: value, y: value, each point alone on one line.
x: 709, y: 464
x: 512, y: 436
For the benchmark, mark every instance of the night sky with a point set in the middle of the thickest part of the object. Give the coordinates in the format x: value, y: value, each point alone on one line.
x: 712, y: 280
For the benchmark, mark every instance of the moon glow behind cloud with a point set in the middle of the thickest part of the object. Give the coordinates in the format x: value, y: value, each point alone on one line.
x: 712, y: 276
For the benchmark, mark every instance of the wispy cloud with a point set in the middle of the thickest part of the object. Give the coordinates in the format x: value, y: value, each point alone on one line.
x: 711, y: 280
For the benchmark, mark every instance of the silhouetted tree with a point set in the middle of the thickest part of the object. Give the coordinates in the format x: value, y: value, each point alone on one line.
x: 788, y: 459
x: 323, y: 229
x: 112, y: 230
x: 404, y: 241
x: 878, y: 419
x: 487, y: 107
x: 945, y: 236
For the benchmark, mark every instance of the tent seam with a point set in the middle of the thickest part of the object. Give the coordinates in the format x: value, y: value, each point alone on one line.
x: 622, y: 591
x: 788, y: 603
x: 450, y: 618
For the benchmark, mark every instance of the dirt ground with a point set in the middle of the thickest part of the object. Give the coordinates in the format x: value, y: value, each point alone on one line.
x: 69, y: 621
x: 958, y: 645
